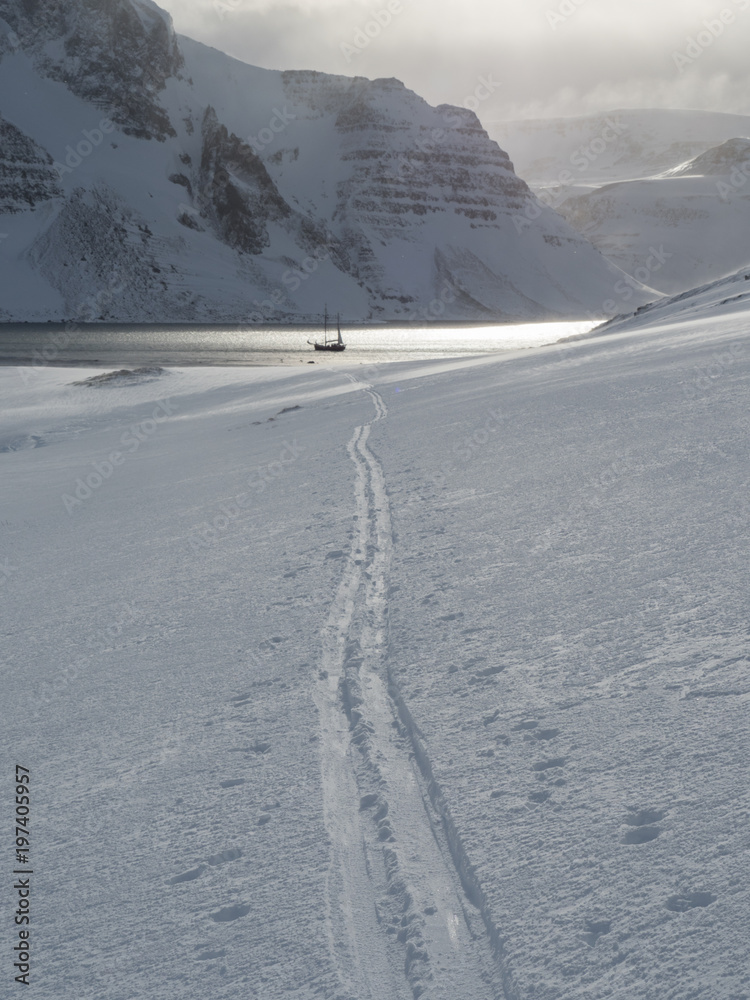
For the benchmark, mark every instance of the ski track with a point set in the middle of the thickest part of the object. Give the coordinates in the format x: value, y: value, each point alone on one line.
x: 404, y: 915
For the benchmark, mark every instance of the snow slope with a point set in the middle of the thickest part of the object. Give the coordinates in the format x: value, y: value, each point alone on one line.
x: 427, y: 680
x: 205, y: 189
x: 728, y: 295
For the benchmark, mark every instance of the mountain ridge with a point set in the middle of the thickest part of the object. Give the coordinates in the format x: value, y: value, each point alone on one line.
x: 218, y: 181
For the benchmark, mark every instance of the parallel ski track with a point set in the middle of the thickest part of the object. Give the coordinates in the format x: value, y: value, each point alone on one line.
x: 405, y: 915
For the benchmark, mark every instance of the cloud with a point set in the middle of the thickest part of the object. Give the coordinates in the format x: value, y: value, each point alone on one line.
x: 554, y: 57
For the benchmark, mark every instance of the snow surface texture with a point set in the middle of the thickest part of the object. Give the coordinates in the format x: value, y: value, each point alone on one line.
x: 202, y: 188
x: 430, y: 680
x: 636, y: 182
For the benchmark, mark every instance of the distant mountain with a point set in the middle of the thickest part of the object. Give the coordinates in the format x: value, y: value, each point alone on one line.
x: 697, y: 216
x: 665, y: 195
x: 720, y: 161
x: 144, y: 176
x: 622, y: 145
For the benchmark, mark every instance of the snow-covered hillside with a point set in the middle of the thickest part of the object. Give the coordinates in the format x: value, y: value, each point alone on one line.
x: 201, y: 188
x: 727, y: 296
x: 429, y: 680
x: 696, y: 216
x: 665, y: 195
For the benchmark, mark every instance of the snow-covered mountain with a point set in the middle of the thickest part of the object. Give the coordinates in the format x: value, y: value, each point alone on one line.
x: 663, y: 194
x: 617, y: 146
x: 698, y: 214
x: 148, y: 177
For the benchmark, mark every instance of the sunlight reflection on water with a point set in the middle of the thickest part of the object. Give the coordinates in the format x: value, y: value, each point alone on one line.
x: 122, y: 344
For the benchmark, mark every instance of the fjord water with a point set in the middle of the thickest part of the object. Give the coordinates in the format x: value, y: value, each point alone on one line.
x: 124, y: 344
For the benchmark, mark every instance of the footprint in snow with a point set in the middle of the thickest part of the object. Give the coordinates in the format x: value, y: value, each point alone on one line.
x: 22, y: 443
x: 240, y: 699
x: 640, y: 835
x: 642, y: 829
x: 528, y: 724
x: 486, y: 676
x: 207, y: 956
x: 539, y: 797
x: 227, y: 913
x: 596, y: 929
x: 546, y: 734
x: 256, y: 748
x: 188, y: 876
x: 223, y: 857
x: 547, y: 765
x: 683, y: 901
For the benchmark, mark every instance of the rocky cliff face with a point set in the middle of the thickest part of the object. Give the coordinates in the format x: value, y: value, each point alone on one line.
x: 235, y: 191
x: 426, y: 185
x: 27, y: 176
x: 226, y: 192
x: 117, y: 54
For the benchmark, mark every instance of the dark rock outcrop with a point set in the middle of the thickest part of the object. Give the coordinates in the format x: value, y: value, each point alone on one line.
x: 115, y: 53
x: 27, y: 176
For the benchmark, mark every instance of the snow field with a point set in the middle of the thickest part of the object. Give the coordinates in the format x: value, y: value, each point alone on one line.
x: 410, y: 717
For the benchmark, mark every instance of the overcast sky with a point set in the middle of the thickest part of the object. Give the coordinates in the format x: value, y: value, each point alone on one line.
x: 537, y: 58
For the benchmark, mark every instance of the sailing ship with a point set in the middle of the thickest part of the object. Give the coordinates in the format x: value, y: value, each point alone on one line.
x: 329, y: 343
